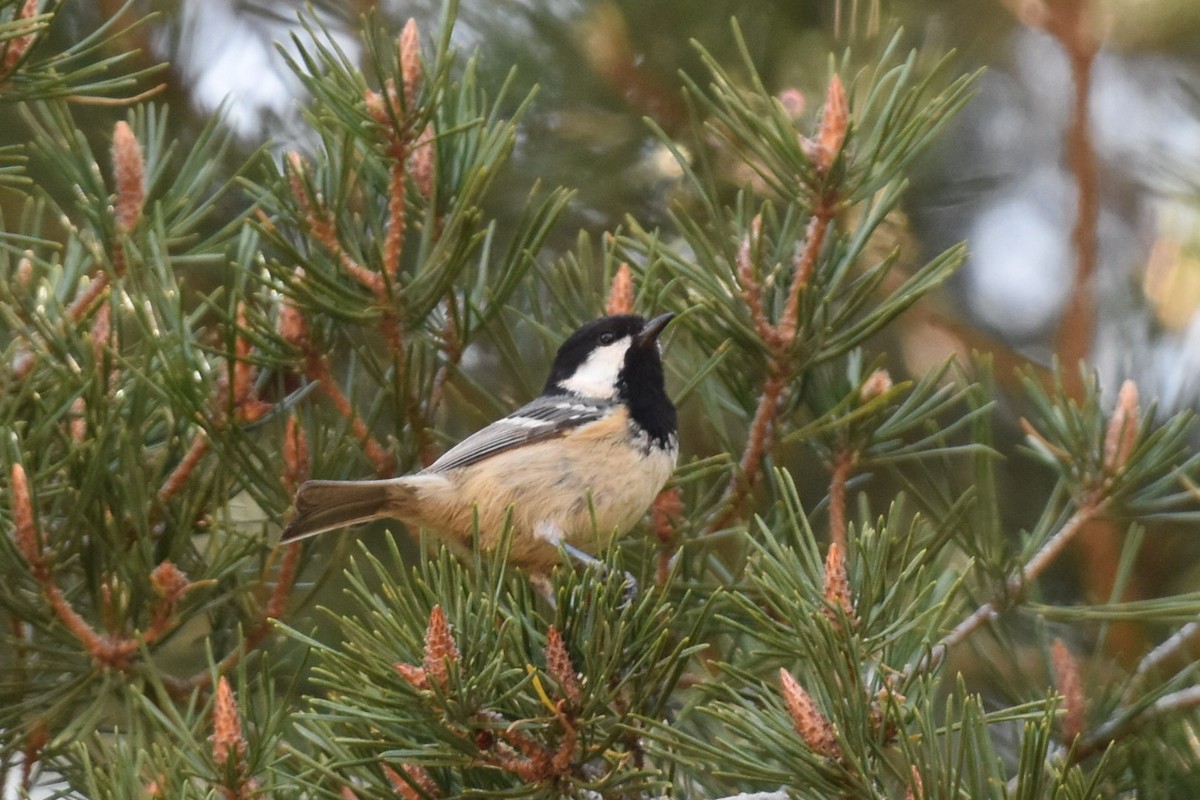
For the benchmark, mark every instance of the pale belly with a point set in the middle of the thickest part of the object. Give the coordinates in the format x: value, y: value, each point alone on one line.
x: 585, y: 502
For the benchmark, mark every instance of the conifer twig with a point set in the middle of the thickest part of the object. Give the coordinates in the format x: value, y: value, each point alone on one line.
x: 293, y: 327
x: 321, y: 225
x: 1121, y: 724
x: 665, y: 513
x: 1089, y: 509
x: 841, y: 466
x: 452, y: 347
x: 1070, y: 22
x: 108, y: 651
x: 116, y: 102
x: 31, y: 753
x: 1177, y: 647
x: 170, y: 585
x: 179, y: 476
x: 128, y: 164
x: 780, y: 336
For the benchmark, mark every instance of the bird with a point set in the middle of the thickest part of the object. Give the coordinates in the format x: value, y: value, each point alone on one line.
x: 575, y: 468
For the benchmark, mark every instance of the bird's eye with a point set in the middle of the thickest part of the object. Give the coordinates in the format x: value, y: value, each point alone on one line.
x: 608, y: 337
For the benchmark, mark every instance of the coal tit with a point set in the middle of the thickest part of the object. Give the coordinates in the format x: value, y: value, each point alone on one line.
x: 576, y: 468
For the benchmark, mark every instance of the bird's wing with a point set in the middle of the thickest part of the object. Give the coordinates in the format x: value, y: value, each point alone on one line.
x: 544, y: 418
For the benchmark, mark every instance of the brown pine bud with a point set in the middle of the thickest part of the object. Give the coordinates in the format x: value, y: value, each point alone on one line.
x: 422, y: 164
x: 129, y: 172
x: 290, y: 323
x: 831, y: 133
x: 244, y: 371
x: 1122, y: 432
x: 837, y: 584
x: 227, y: 737
x: 101, y: 332
x: 816, y: 731
x: 440, y: 649
x: 665, y: 513
x: 25, y: 534
x: 410, y: 63
x: 1070, y: 686
x: 295, y: 173
x: 877, y: 383
x: 916, y: 789
x: 558, y: 664
x: 413, y: 675
x: 375, y: 106
x: 620, y: 293
x: 169, y: 582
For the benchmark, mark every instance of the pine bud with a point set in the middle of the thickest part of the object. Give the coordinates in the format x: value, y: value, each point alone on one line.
x: 916, y: 789
x: 290, y: 323
x: 410, y: 63
x: 227, y: 737
x: 816, y: 731
x: 129, y: 172
x: 440, y: 649
x: 25, y: 534
x: 1122, y: 432
x: 877, y: 383
x: 1070, y: 686
x: 422, y: 166
x: 169, y: 582
x: 837, y: 584
x: 295, y: 174
x: 665, y: 513
x: 413, y: 675
x: 620, y: 294
x: 558, y: 664
x: 375, y: 106
x: 831, y: 133
x: 244, y: 371
x: 101, y: 332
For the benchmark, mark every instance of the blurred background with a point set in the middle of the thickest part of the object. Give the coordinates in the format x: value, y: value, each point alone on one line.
x: 1006, y: 176
x: 999, y: 178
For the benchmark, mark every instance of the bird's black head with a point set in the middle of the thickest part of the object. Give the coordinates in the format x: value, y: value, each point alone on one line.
x: 617, y: 358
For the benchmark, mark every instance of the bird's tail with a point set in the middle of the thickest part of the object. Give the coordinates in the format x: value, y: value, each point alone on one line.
x: 325, y: 505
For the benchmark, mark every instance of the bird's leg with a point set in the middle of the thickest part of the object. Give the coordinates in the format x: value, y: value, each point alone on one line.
x: 587, y: 560
x: 552, y: 533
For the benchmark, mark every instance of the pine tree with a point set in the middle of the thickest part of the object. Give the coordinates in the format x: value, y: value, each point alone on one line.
x: 832, y: 601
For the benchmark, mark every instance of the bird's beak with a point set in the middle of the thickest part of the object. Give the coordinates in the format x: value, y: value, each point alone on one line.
x: 649, y: 333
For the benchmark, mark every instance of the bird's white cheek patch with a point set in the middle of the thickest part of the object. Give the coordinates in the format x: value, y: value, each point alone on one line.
x: 597, y: 377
